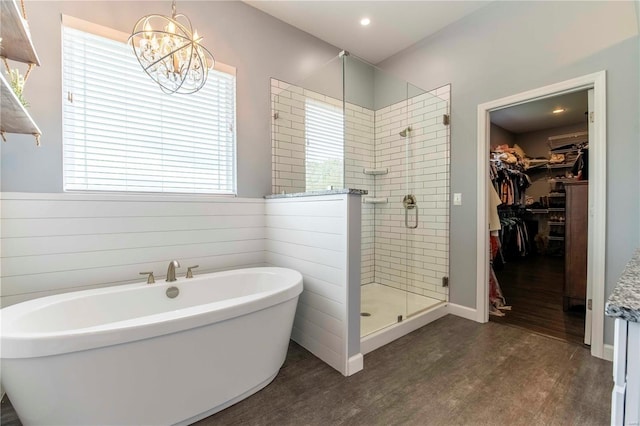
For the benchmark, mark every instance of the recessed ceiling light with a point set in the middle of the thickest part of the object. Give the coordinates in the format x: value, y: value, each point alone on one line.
x: 365, y: 21
x: 558, y: 110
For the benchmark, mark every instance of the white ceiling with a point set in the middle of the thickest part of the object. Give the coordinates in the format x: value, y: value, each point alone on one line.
x: 395, y: 25
x: 538, y: 115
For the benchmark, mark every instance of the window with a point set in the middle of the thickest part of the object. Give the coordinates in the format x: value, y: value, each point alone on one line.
x: 122, y: 133
x: 324, y: 150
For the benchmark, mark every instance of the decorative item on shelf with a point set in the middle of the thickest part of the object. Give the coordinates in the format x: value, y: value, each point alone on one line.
x: 170, y: 52
x: 556, y: 159
x: 17, y: 84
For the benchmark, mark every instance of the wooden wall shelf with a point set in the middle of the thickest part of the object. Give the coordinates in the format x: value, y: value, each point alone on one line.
x: 14, y: 118
x: 16, y: 46
x: 16, y: 37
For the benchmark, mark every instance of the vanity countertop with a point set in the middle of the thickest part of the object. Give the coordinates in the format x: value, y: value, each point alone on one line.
x: 624, y: 301
x: 316, y: 193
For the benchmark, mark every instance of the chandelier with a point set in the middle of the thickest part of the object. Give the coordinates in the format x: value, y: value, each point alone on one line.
x: 169, y: 50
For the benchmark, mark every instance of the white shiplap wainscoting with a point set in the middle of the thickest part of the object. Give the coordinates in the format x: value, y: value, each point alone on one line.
x: 320, y: 237
x: 54, y: 243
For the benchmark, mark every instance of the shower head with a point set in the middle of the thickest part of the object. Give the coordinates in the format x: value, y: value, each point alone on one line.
x: 404, y: 132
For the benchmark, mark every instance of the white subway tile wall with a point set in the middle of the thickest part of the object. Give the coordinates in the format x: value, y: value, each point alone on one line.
x: 288, y: 154
x: 359, y: 145
x: 408, y: 259
x: 413, y: 259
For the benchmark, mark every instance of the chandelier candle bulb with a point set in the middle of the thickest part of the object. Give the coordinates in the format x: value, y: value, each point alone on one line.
x: 148, y: 31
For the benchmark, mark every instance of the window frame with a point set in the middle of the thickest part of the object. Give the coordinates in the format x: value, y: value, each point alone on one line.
x: 119, y: 36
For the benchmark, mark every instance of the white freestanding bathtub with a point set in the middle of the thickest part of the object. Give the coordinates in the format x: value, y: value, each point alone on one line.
x: 130, y: 355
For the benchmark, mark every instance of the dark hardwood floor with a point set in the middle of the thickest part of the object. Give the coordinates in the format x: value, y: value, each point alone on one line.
x: 532, y: 285
x: 450, y: 372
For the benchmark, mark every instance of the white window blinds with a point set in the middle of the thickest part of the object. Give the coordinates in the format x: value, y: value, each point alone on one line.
x: 122, y: 133
x: 324, y: 150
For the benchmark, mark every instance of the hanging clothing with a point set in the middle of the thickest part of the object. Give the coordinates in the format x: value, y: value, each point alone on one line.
x: 581, y: 166
x: 509, y: 182
x: 494, y: 202
x: 497, y: 302
x: 514, y: 237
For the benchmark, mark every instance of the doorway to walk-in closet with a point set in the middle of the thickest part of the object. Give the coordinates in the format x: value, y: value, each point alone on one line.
x: 538, y: 203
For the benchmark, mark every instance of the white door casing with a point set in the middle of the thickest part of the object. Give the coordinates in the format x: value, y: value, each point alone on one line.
x: 588, y: 313
x: 597, y: 195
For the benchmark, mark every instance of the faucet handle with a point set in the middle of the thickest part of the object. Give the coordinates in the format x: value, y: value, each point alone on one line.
x: 150, y: 278
x: 189, y: 272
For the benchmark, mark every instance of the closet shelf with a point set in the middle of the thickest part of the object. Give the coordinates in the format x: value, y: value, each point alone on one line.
x: 563, y: 151
x: 16, y: 37
x: 534, y: 164
x: 556, y: 209
x: 374, y: 200
x: 375, y: 172
x: 556, y: 223
x: 557, y: 195
x: 566, y: 139
x: 559, y: 166
x: 14, y: 118
x: 538, y: 211
x: 552, y: 238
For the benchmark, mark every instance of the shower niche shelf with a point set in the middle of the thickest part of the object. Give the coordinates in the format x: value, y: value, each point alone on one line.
x: 375, y: 172
x: 374, y: 200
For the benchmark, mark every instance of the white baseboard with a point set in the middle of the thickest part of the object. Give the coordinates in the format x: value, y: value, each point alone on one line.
x: 355, y: 364
x: 607, y: 352
x: 463, y: 312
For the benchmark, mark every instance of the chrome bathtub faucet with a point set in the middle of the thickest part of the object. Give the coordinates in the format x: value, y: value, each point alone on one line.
x: 171, y: 271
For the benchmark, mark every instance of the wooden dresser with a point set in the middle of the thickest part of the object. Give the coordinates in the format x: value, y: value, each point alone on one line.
x: 575, y: 249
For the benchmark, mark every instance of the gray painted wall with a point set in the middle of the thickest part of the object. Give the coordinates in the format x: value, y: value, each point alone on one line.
x: 500, y: 136
x: 359, y: 83
x: 352, y: 81
x: 326, y: 79
x: 390, y: 89
x: 510, y: 47
x: 258, y: 45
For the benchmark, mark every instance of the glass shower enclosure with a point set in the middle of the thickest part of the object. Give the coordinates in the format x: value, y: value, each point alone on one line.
x: 351, y: 125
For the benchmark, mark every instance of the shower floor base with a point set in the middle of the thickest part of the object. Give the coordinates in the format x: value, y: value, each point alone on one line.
x: 385, y: 304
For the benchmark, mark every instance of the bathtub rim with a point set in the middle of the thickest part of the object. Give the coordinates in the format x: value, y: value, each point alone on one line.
x: 33, y: 345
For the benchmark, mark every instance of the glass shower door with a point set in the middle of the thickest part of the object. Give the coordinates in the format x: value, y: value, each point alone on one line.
x: 426, y: 200
x: 396, y: 148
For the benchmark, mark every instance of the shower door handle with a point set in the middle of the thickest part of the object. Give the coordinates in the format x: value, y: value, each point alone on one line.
x: 409, y: 202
